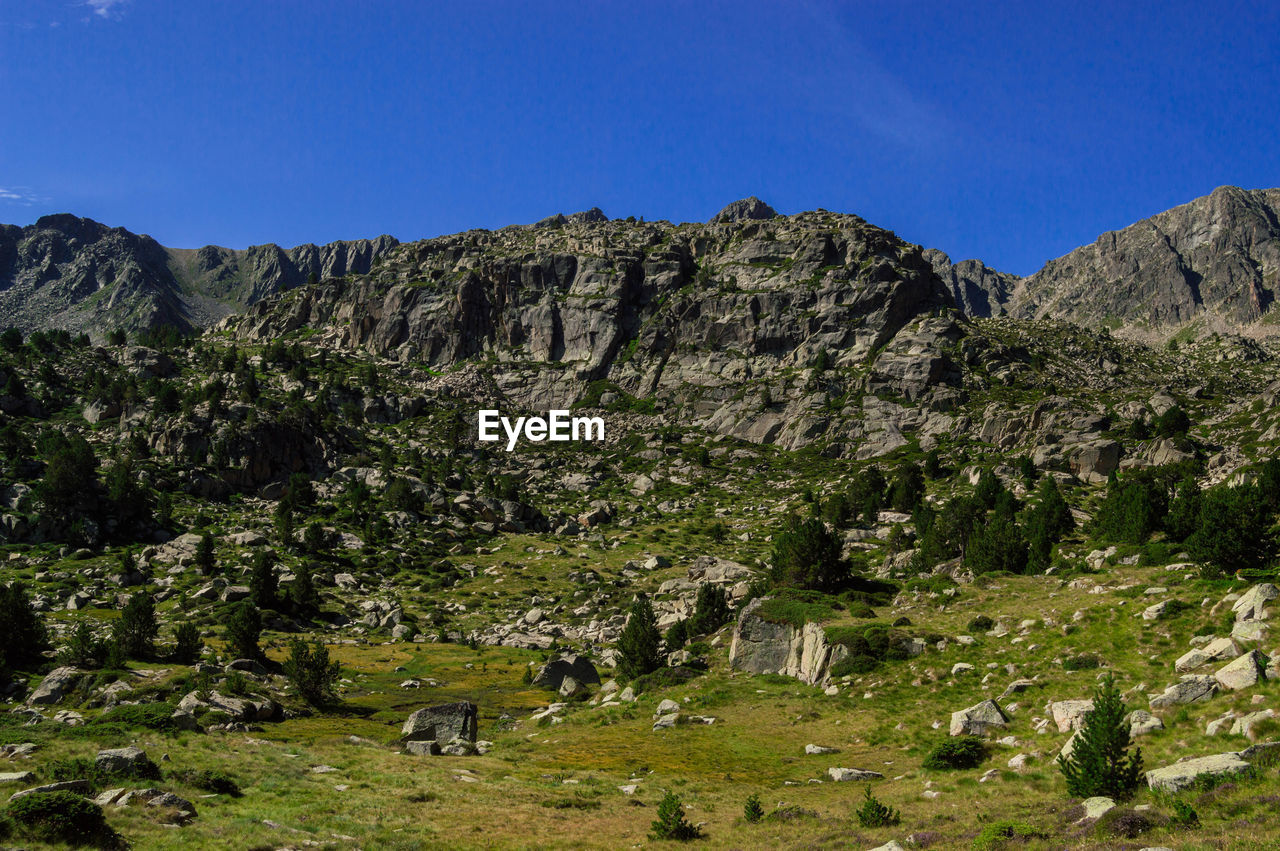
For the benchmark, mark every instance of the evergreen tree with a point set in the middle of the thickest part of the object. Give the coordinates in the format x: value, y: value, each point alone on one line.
x: 1234, y: 531
x: 908, y: 487
x: 302, y: 591
x: 204, y: 554
x: 311, y: 672
x: 807, y: 555
x: 671, y: 823
x: 243, y: 629
x: 136, y: 629
x: 1184, y: 511
x: 263, y: 585
x: 25, y: 636
x: 997, y: 545
x: 866, y: 494
x: 187, y: 644
x: 638, y: 644
x: 753, y: 812
x: 710, y: 612
x: 1100, y: 763
x: 988, y: 489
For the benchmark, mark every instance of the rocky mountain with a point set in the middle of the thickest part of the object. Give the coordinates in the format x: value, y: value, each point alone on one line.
x: 79, y: 275
x: 1214, y: 261
x: 736, y: 321
x: 977, y: 289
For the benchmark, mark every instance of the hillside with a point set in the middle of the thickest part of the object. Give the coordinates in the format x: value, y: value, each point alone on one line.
x: 855, y: 513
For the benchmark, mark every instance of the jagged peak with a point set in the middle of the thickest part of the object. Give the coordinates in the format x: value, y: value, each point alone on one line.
x: 743, y: 210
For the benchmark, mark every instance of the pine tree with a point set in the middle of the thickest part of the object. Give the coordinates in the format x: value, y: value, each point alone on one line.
x: 136, y: 629
x: 204, y: 554
x: 263, y: 585
x: 302, y: 592
x: 639, y: 641
x: 25, y: 636
x: 710, y: 612
x: 806, y: 555
x: 671, y: 823
x: 243, y: 629
x: 1099, y: 763
x: 186, y: 643
x: 753, y: 812
x: 311, y: 672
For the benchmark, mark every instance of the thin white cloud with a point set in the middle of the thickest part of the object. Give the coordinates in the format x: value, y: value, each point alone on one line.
x: 106, y: 9
x: 19, y: 195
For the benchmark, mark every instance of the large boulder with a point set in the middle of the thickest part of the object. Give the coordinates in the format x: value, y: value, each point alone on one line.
x: 1244, y: 672
x: 444, y: 723
x: 1069, y: 714
x: 1180, y: 775
x: 1190, y: 689
x: 978, y: 719
x: 761, y: 646
x: 1096, y: 460
x: 579, y: 667
x: 131, y: 760
x: 55, y: 686
x: 241, y: 709
x: 1252, y: 604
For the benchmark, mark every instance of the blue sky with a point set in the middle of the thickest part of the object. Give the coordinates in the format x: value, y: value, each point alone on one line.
x: 1001, y: 131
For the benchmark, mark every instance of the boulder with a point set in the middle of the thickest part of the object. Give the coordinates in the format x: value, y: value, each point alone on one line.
x: 443, y: 723
x: 240, y: 709
x: 1142, y: 723
x: 131, y: 760
x: 841, y: 775
x: 429, y: 748
x: 80, y: 787
x: 978, y: 719
x: 579, y: 667
x: 1096, y: 460
x: 1180, y: 775
x: 1190, y: 689
x: 1095, y: 808
x: 1244, y: 672
x: 54, y: 686
x: 1069, y: 714
x: 1251, y: 605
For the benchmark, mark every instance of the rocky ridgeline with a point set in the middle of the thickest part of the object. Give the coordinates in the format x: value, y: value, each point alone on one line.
x: 76, y: 274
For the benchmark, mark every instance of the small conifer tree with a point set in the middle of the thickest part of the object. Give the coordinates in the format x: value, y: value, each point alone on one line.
x: 639, y: 642
x: 671, y: 823
x: 1100, y: 763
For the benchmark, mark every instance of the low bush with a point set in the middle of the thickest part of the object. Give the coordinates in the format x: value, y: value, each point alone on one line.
x: 60, y: 817
x: 217, y: 782
x: 957, y: 752
x: 1083, y: 662
x: 995, y: 834
x: 981, y: 623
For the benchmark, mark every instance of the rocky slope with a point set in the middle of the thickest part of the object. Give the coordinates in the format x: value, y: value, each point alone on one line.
x: 76, y: 274
x: 1215, y: 259
x: 764, y: 328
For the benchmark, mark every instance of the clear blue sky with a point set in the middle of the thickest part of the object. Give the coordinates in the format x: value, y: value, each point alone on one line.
x: 1002, y: 131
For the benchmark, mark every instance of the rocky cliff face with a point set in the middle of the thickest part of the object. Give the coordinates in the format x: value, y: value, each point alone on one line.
x: 978, y: 289
x: 762, y: 647
x: 766, y: 329
x: 1216, y: 258
x: 80, y: 275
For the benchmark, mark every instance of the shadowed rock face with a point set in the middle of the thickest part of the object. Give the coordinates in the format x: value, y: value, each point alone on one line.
x: 977, y: 289
x: 744, y: 210
x: 1217, y: 257
x: 79, y: 275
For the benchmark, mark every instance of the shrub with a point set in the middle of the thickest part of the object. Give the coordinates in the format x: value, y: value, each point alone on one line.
x: 671, y: 823
x: 1083, y: 662
x: 1184, y: 815
x: 151, y: 716
x: 872, y: 813
x: 639, y: 642
x: 676, y: 636
x: 1122, y: 821
x: 994, y: 834
x: 796, y: 607
x: 83, y: 649
x: 957, y: 752
x: 1100, y: 763
x: 217, y: 782
x: 753, y: 812
x: 21, y: 624
x: 60, y: 817
x: 311, y: 672
x: 710, y: 612
x: 981, y: 623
